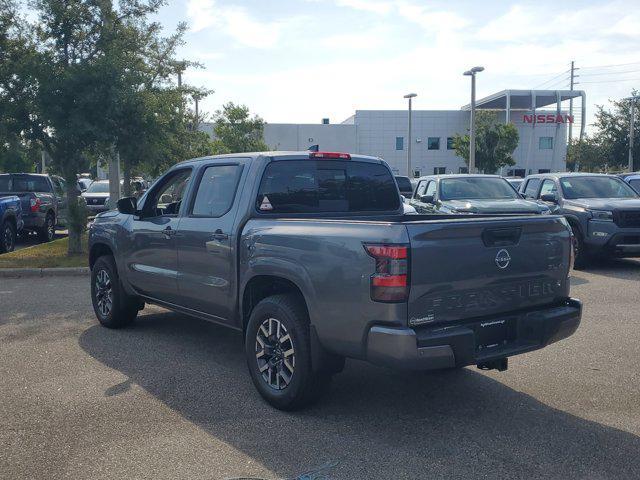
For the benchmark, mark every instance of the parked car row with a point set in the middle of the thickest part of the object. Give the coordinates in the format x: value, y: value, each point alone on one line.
x: 602, y: 210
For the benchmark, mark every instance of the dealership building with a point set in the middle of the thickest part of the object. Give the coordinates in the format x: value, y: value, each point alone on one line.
x: 541, y: 117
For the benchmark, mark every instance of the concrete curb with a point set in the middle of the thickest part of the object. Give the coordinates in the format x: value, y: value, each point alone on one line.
x: 43, y: 272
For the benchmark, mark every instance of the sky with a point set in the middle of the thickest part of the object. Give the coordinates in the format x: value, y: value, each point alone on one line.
x: 298, y: 61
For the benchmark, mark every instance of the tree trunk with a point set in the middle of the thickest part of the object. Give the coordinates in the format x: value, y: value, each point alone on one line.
x: 126, y: 177
x: 76, y: 216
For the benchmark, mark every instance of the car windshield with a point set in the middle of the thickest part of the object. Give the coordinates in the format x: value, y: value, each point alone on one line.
x: 596, y: 187
x: 98, y: 187
x: 477, y: 188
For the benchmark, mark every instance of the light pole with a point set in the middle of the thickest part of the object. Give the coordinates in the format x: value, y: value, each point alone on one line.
x: 631, y: 131
x: 409, y: 96
x: 472, y: 126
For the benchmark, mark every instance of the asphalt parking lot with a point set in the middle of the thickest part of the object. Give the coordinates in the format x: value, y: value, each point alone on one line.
x: 171, y: 398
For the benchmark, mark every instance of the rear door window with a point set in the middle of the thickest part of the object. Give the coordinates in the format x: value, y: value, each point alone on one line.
x: 327, y: 186
x: 634, y: 183
x: 216, y: 191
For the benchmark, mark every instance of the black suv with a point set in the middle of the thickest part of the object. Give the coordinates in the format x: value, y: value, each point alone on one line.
x: 603, y: 211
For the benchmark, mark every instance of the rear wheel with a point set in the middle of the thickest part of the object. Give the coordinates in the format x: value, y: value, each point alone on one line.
x: 48, y: 230
x: 7, y: 237
x: 112, y: 306
x: 278, y: 352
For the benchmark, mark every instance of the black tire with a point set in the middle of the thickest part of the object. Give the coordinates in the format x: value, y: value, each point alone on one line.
x: 48, y: 231
x: 112, y: 306
x: 305, y: 386
x: 7, y: 237
x: 582, y: 256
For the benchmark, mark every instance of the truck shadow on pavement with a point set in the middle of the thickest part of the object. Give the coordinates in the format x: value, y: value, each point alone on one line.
x: 375, y: 423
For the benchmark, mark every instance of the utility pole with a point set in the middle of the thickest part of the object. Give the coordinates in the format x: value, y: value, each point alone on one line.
x: 195, y: 99
x: 571, y: 101
x: 631, y: 132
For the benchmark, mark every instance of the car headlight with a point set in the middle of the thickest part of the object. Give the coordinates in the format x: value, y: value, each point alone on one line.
x: 602, y: 215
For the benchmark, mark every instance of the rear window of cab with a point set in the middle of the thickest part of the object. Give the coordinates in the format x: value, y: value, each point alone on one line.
x: 327, y: 186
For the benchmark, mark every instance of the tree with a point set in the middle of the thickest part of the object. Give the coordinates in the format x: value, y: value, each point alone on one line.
x: 495, y: 143
x: 236, y: 131
x: 57, y: 81
x: 612, y: 130
x: 590, y: 153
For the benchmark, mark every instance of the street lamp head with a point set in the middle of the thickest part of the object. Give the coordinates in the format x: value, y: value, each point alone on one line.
x: 477, y: 69
x: 410, y: 95
x: 468, y: 73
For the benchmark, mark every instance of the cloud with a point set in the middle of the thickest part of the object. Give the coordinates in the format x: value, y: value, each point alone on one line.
x: 236, y: 22
x: 372, y: 6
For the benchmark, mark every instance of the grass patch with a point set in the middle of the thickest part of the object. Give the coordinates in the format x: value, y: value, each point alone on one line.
x: 46, y: 255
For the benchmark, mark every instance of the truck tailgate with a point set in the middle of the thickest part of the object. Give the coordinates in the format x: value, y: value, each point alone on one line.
x: 477, y: 267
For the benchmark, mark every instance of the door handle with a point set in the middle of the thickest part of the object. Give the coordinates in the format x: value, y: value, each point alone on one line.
x: 219, y: 235
x: 169, y: 231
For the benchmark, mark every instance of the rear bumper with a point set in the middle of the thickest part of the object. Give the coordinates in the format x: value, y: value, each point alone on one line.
x: 34, y: 220
x: 459, y: 345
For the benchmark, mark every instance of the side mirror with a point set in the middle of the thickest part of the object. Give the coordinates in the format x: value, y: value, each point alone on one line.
x: 549, y: 198
x: 127, y: 205
x: 426, y: 198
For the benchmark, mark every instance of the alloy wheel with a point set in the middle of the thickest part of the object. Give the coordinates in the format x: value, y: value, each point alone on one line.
x: 8, y: 238
x: 104, y: 293
x: 51, y: 232
x: 275, y: 354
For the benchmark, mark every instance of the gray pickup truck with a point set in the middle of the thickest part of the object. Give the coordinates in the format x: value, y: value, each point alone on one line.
x: 603, y: 211
x: 309, y: 255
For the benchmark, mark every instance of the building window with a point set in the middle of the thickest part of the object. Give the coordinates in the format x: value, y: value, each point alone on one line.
x: 399, y: 143
x: 545, y: 143
x: 517, y: 172
x: 433, y: 143
x: 449, y: 143
x: 463, y: 170
x: 544, y: 170
x: 439, y: 170
x: 416, y: 174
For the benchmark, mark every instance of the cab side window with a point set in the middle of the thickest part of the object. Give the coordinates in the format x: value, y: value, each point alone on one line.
x: 166, y: 200
x: 420, y: 189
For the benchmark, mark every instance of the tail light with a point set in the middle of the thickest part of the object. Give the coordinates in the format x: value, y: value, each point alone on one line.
x: 390, y: 282
x: 343, y: 156
x: 35, y: 204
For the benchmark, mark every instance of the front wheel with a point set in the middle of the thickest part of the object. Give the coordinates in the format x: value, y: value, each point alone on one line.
x: 112, y: 306
x: 7, y: 237
x: 278, y: 353
x: 581, y: 255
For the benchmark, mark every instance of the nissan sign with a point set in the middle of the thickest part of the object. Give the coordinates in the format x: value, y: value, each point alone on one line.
x: 548, y: 118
